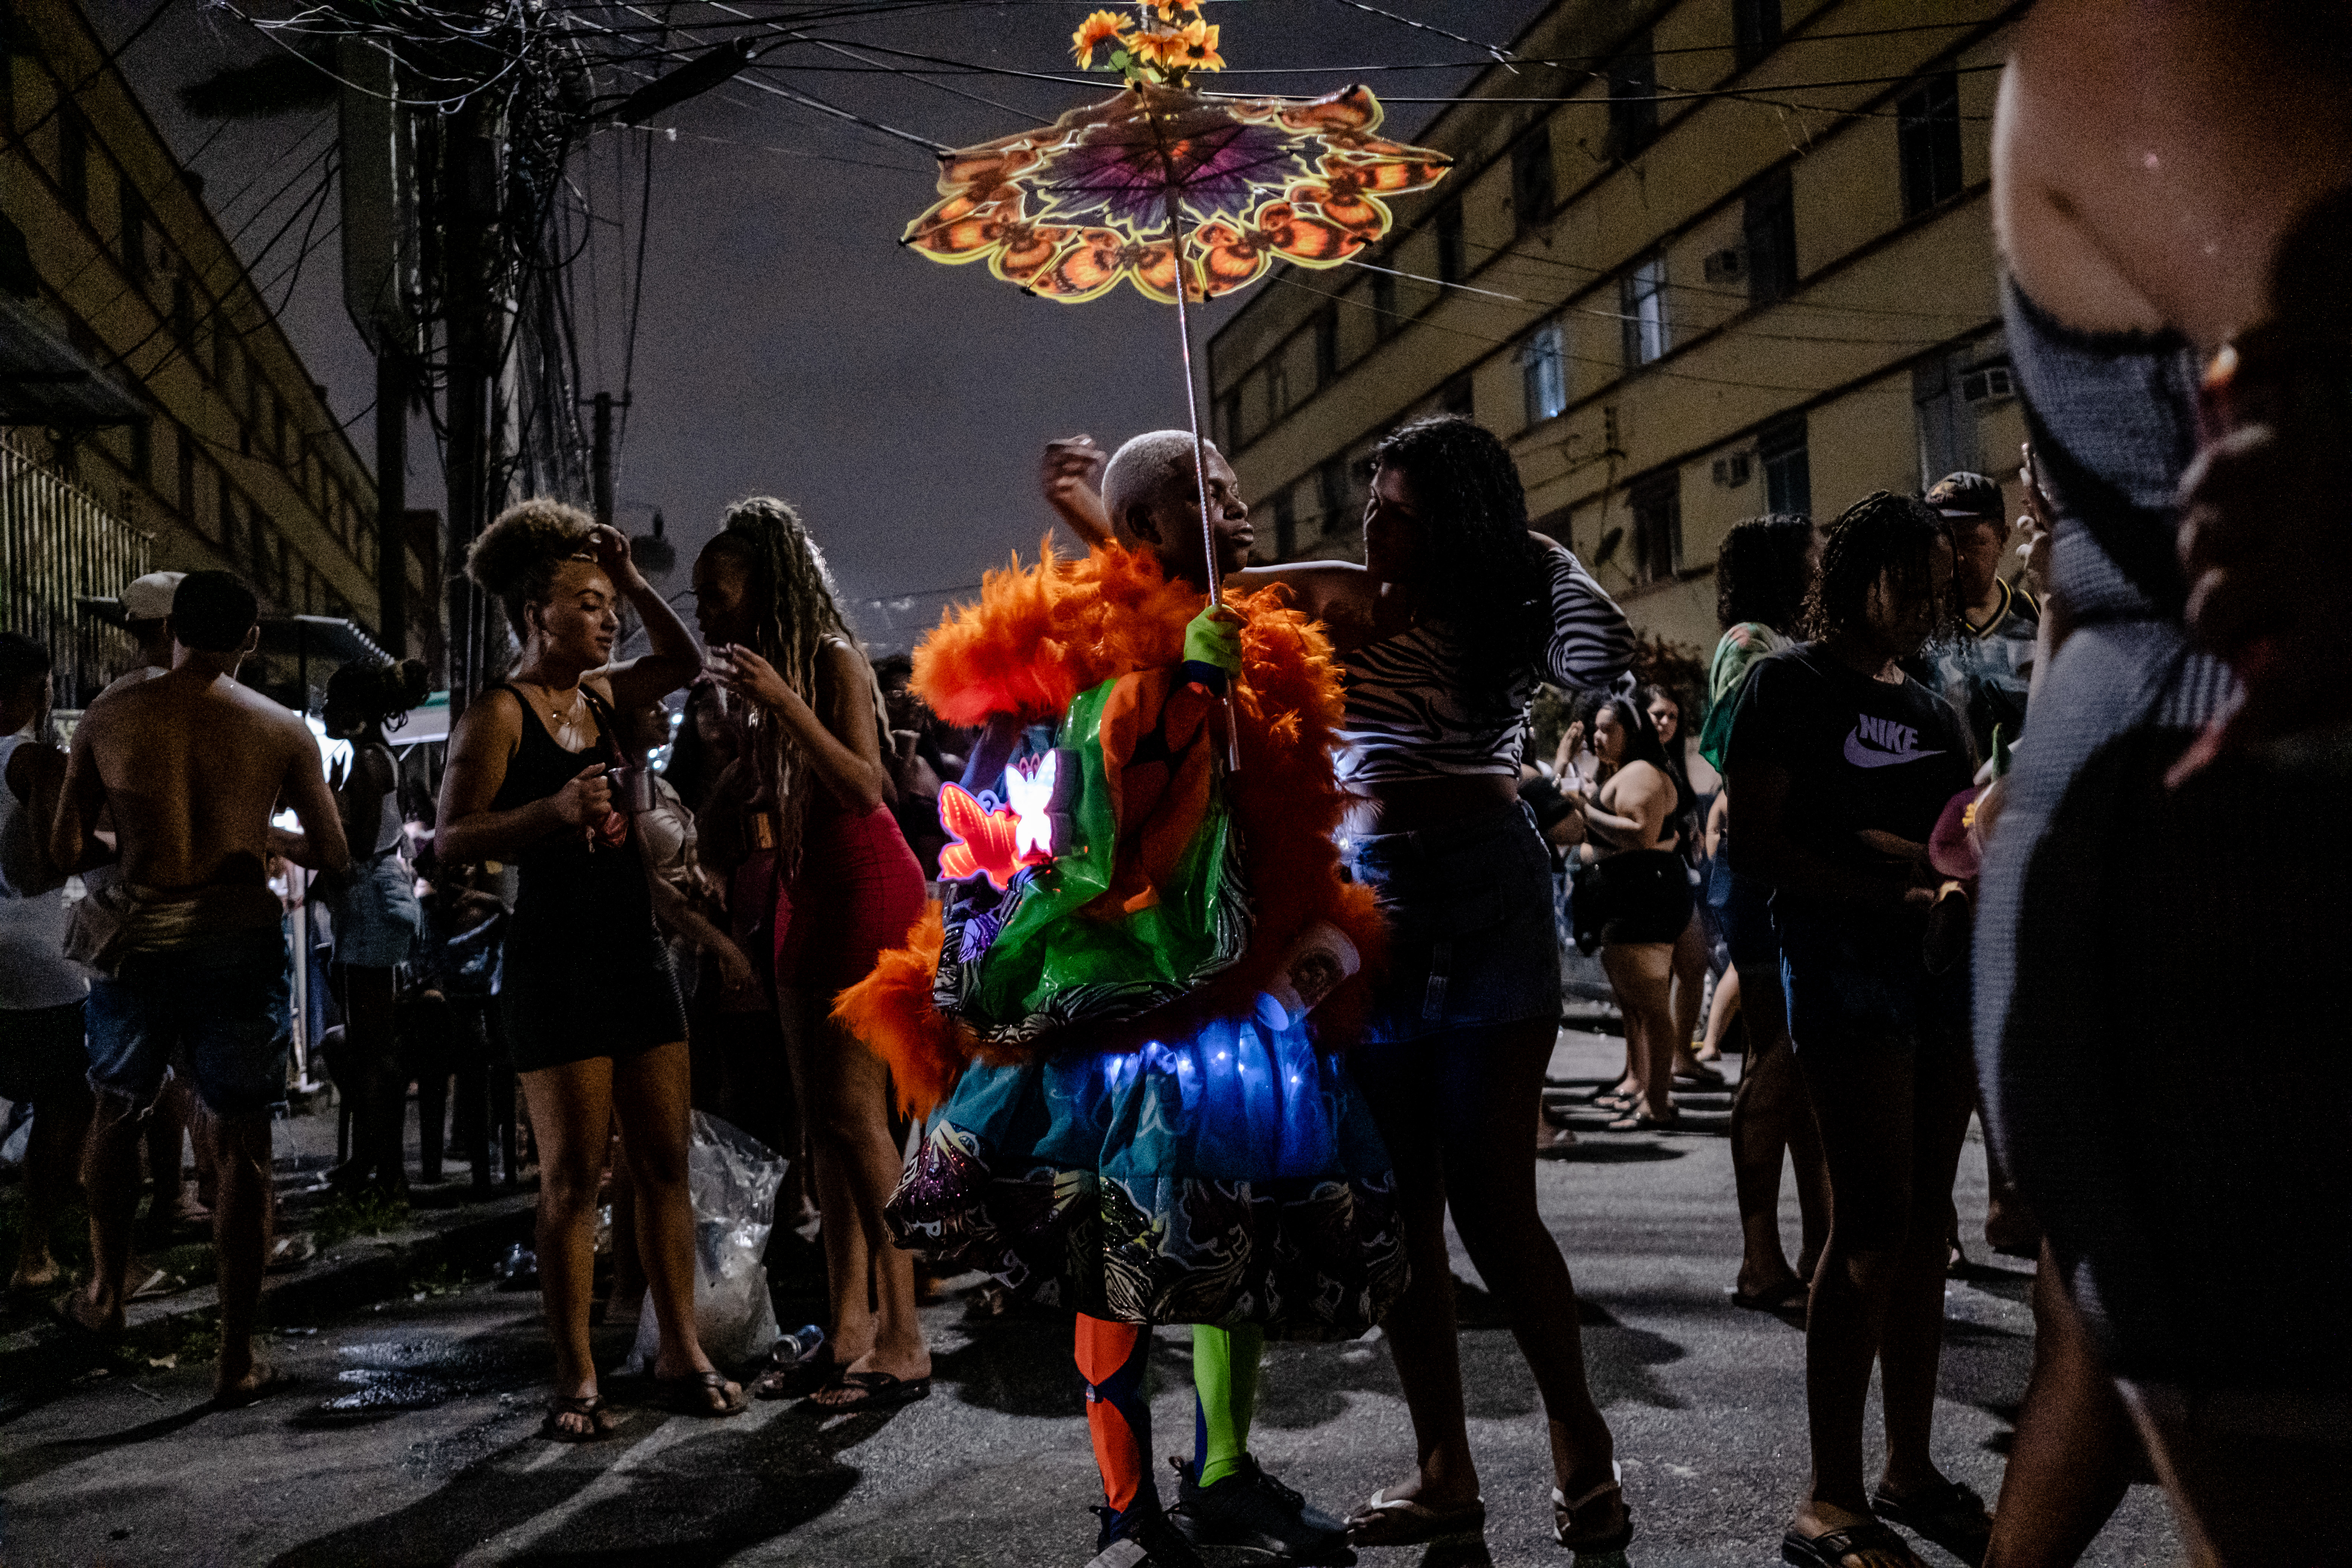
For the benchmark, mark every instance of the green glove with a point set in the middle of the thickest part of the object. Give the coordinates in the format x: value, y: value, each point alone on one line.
x: 1213, y: 637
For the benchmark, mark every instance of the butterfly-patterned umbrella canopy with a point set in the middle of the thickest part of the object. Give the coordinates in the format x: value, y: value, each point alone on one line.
x: 1185, y: 196
x: 1067, y: 211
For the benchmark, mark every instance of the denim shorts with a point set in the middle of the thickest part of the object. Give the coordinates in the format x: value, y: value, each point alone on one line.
x: 1743, y: 914
x: 1859, y: 977
x: 1473, y: 941
x: 215, y: 1008
x: 376, y: 914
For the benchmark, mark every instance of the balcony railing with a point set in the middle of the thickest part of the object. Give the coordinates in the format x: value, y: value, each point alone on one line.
x: 58, y: 545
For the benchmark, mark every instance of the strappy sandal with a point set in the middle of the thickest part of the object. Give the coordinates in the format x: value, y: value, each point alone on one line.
x: 691, y: 1396
x: 589, y: 1407
x: 1830, y: 1547
x: 1564, y: 1528
x: 1639, y: 1120
x: 1952, y: 1516
x: 1386, y: 1520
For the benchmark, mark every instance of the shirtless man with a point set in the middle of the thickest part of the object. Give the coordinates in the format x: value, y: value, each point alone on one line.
x: 185, y: 940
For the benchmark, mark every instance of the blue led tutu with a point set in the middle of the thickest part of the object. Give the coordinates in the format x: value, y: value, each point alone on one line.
x: 1232, y: 1178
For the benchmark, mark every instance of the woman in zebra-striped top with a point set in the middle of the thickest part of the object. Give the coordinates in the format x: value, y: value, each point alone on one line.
x: 1456, y: 613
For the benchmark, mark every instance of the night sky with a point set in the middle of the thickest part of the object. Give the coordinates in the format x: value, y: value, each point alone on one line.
x: 787, y: 344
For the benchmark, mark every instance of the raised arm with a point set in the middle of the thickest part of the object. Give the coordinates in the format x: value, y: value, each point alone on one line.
x: 1592, y: 643
x: 1071, y: 476
x: 673, y: 658
x: 478, y: 754
x: 844, y: 744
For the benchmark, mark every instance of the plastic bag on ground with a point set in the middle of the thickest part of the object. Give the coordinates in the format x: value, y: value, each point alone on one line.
x: 732, y: 1181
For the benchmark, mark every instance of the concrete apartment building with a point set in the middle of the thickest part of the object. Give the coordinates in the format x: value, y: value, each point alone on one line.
x: 152, y: 411
x: 1736, y: 258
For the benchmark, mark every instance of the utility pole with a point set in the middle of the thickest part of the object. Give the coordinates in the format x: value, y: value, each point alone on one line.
x: 392, y: 501
x: 470, y: 189
x: 601, y: 454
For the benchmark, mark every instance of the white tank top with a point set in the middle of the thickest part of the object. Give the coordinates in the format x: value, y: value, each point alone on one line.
x: 34, y: 969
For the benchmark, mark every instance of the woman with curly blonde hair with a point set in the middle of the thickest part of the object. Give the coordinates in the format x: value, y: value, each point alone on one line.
x: 591, y: 1008
x: 847, y: 888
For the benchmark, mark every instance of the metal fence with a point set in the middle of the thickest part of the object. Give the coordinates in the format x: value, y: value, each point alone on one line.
x: 58, y: 545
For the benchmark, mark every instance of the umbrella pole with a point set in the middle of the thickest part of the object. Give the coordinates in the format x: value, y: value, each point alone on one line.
x: 1200, y: 453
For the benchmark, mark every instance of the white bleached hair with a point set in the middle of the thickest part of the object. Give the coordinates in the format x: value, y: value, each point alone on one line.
x: 1139, y: 468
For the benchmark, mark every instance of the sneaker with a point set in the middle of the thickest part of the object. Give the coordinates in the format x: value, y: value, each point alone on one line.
x: 1140, y: 1537
x: 1252, y: 1513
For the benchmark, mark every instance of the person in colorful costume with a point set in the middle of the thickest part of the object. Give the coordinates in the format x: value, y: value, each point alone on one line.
x: 1136, y: 1117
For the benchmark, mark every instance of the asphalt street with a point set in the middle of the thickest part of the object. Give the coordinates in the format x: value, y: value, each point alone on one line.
x: 407, y: 1438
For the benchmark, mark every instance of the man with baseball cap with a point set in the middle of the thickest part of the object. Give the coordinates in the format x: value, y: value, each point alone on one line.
x: 147, y: 612
x: 1982, y: 665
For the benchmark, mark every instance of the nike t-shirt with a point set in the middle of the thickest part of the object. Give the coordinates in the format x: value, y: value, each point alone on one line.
x: 1860, y: 753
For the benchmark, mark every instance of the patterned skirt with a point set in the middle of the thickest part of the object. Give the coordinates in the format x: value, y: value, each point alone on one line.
x: 1232, y: 1178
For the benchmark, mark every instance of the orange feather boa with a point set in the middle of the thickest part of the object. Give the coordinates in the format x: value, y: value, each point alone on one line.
x: 1042, y: 635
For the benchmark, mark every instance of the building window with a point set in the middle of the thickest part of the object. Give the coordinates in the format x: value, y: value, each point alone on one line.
x: 1947, y: 420
x: 1633, y: 99
x: 1458, y: 397
x: 1788, y: 472
x: 1929, y: 133
x: 73, y: 162
x: 1286, y: 527
x: 1755, y: 29
x: 1277, y: 388
x: 1657, y: 504
x: 1229, y: 422
x: 184, y: 448
x: 134, y: 233
x: 1326, y: 348
x: 1384, y: 303
x: 1451, y: 266
x: 142, y: 449
x: 1769, y: 224
x: 1543, y: 372
x: 1331, y: 492
x: 1642, y: 299
x: 1531, y: 194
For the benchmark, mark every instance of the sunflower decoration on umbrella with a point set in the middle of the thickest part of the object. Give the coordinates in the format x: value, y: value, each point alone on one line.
x: 1162, y: 181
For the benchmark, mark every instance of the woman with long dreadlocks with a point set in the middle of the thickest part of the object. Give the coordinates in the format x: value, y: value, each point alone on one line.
x: 847, y: 888
x: 1456, y: 612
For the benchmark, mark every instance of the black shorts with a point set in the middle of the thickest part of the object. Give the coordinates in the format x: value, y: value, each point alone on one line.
x: 1640, y: 896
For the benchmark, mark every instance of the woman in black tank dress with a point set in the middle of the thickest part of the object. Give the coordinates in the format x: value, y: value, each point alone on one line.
x: 590, y: 1009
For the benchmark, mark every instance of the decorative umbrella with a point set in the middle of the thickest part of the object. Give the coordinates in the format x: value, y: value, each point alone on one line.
x: 1185, y: 196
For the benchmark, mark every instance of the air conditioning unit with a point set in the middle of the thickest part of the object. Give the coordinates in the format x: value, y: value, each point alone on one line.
x: 1986, y: 383
x: 1726, y: 266
x: 1731, y: 472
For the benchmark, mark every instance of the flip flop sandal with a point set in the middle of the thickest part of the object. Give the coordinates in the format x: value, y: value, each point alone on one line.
x: 1830, y: 1547
x: 875, y: 1391
x: 1791, y: 1301
x: 798, y: 1378
x: 1642, y: 1122
x: 1951, y: 1515
x: 591, y: 1407
x: 1563, y: 1517
x: 1386, y: 1520
x: 1707, y: 1078
x: 691, y: 1396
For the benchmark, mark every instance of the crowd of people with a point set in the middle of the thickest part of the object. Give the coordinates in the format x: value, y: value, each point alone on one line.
x: 1179, y: 941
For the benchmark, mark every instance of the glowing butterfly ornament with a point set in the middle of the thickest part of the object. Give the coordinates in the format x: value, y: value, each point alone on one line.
x: 1001, y: 841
